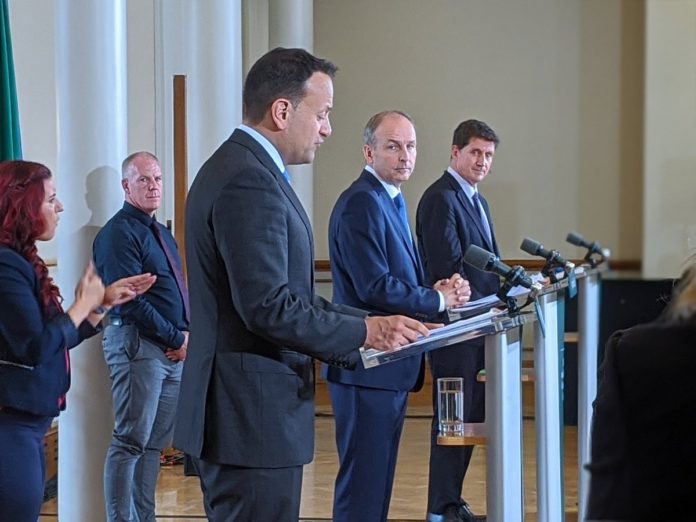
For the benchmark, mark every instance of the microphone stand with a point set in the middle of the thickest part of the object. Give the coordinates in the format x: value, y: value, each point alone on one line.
x: 512, y: 279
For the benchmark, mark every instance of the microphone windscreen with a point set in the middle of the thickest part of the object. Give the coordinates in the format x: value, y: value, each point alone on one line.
x: 576, y: 239
x: 530, y: 246
x: 478, y: 257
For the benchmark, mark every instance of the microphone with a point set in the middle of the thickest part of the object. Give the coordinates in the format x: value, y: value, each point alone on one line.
x: 553, y: 257
x: 593, y: 248
x: 489, y: 262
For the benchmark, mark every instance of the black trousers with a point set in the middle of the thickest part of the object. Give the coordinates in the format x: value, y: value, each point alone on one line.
x: 238, y: 494
x: 448, y: 464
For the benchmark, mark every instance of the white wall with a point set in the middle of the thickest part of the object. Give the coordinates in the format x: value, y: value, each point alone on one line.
x: 548, y: 76
x: 670, y: 136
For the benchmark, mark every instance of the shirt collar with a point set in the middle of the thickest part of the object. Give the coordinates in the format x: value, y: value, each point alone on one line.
x: 267, y: 145
x: 137, y: 213
x: 468, y: 188
x: 391, y: 189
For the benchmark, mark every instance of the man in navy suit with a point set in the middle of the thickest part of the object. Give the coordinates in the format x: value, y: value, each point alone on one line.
x: 451, y: 216
x: 375, y: 267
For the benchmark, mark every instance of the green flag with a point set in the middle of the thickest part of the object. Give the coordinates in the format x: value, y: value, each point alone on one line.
x: 10, y: 142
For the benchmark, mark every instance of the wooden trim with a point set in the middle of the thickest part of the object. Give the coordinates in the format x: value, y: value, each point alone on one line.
x: 180, y: 163
x: 619, y: 265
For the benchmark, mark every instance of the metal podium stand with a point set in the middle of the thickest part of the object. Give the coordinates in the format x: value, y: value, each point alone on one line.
x: 588, y: 340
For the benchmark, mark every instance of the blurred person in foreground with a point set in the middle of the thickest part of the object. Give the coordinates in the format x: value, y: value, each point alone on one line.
x: 643, y: 456
x: 36, y: 333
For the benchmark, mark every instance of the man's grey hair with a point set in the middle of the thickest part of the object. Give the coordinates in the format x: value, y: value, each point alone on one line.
x: 127, y: 165
x: 373, y: 123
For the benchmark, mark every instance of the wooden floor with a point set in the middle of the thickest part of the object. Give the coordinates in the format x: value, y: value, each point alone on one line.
x: 179, y: 497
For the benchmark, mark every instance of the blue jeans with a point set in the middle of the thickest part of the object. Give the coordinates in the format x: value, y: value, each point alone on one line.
x: 22, y: 465
x: 144, y: 390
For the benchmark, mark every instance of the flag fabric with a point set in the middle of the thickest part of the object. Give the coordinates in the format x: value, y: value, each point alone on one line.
x: 10, y: 142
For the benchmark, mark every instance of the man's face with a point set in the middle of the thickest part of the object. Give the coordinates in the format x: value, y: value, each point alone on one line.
x: 143, y: 185
x: 308, y: 123
x: 393, y: 155
x: 473, y: 161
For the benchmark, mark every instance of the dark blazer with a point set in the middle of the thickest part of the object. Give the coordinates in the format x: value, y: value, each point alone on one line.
x: 643, y: 453
x: 33, y: 371
x: 446, y: 224
x: 375, y: 266
x: 247, y: 391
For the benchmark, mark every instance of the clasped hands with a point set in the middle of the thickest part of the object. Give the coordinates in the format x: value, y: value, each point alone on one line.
x: 456, y: 290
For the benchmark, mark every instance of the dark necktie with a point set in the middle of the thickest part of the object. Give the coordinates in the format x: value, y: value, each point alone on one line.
x: 482, y: 215
x: 174, y: 265
x: 401, y: 207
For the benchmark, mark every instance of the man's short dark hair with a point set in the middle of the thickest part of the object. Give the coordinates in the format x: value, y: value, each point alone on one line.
x: 469, y: 129
x: 280, y: 73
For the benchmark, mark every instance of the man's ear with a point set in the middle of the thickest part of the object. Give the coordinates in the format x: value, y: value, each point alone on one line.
x: 124, y: 184
x: 280, y: 112
x: 368, y: 154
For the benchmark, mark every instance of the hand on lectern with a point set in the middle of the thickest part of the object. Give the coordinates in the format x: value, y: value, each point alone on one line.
x: 386, y: 333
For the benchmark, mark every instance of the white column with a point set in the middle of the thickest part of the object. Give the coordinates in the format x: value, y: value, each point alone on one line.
x: 291, y: 24
x: 202, y: 40
x: 92, y: 133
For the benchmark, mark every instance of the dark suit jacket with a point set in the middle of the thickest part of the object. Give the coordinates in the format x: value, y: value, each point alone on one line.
x: 446, y: 224
x: 33, y: 372
x: 643, y: 449
x: 375, y: 266
x: 247, y: 391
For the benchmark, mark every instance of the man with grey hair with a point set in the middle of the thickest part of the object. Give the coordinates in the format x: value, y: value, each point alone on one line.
x: 144, y: 343
x: 376, y: 267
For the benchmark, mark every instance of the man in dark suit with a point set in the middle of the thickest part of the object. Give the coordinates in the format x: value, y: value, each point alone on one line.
x: 246, y: 408
x: 375, y: 266
x: 451, y: 216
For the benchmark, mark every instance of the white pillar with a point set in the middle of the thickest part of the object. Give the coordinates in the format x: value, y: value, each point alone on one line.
x: 202, y: 40
x: 92, y: 137
x: 291, y: 24
x: 215, y: 77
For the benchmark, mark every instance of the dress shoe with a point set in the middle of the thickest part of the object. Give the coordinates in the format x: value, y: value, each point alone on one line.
x: 456, y: 513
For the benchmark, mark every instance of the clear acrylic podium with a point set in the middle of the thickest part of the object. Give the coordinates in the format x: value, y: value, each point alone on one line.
x: 504, y: 497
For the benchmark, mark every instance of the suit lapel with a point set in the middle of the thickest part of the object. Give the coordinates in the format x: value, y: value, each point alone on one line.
x: 470, y: 210
x: 250, y: 143
x: 394, y: 218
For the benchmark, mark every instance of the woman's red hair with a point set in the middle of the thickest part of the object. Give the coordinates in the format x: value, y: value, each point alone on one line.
x: 21, y: 196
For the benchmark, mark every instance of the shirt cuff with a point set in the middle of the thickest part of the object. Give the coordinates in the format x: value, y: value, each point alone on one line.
x: 442, y: 301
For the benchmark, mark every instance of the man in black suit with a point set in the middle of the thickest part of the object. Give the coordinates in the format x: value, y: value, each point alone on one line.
x: 246, y: 407
x: 451, y: 216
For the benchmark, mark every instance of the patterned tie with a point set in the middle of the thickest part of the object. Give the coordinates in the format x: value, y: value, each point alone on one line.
x: 401, y: 207
x: 175, y: 265
x: 482, y: 215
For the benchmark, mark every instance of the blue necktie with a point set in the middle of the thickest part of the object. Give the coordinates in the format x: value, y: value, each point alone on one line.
x: 286, y: 175
x: 482, y: 215
x: 401, y: 207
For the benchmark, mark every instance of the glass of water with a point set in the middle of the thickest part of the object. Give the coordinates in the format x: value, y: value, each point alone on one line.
x: 450, y: 405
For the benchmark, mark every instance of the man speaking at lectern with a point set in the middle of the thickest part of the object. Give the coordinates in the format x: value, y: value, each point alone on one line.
x: 375, y: 266
x: 452, y: 216
x: 246, y: 407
